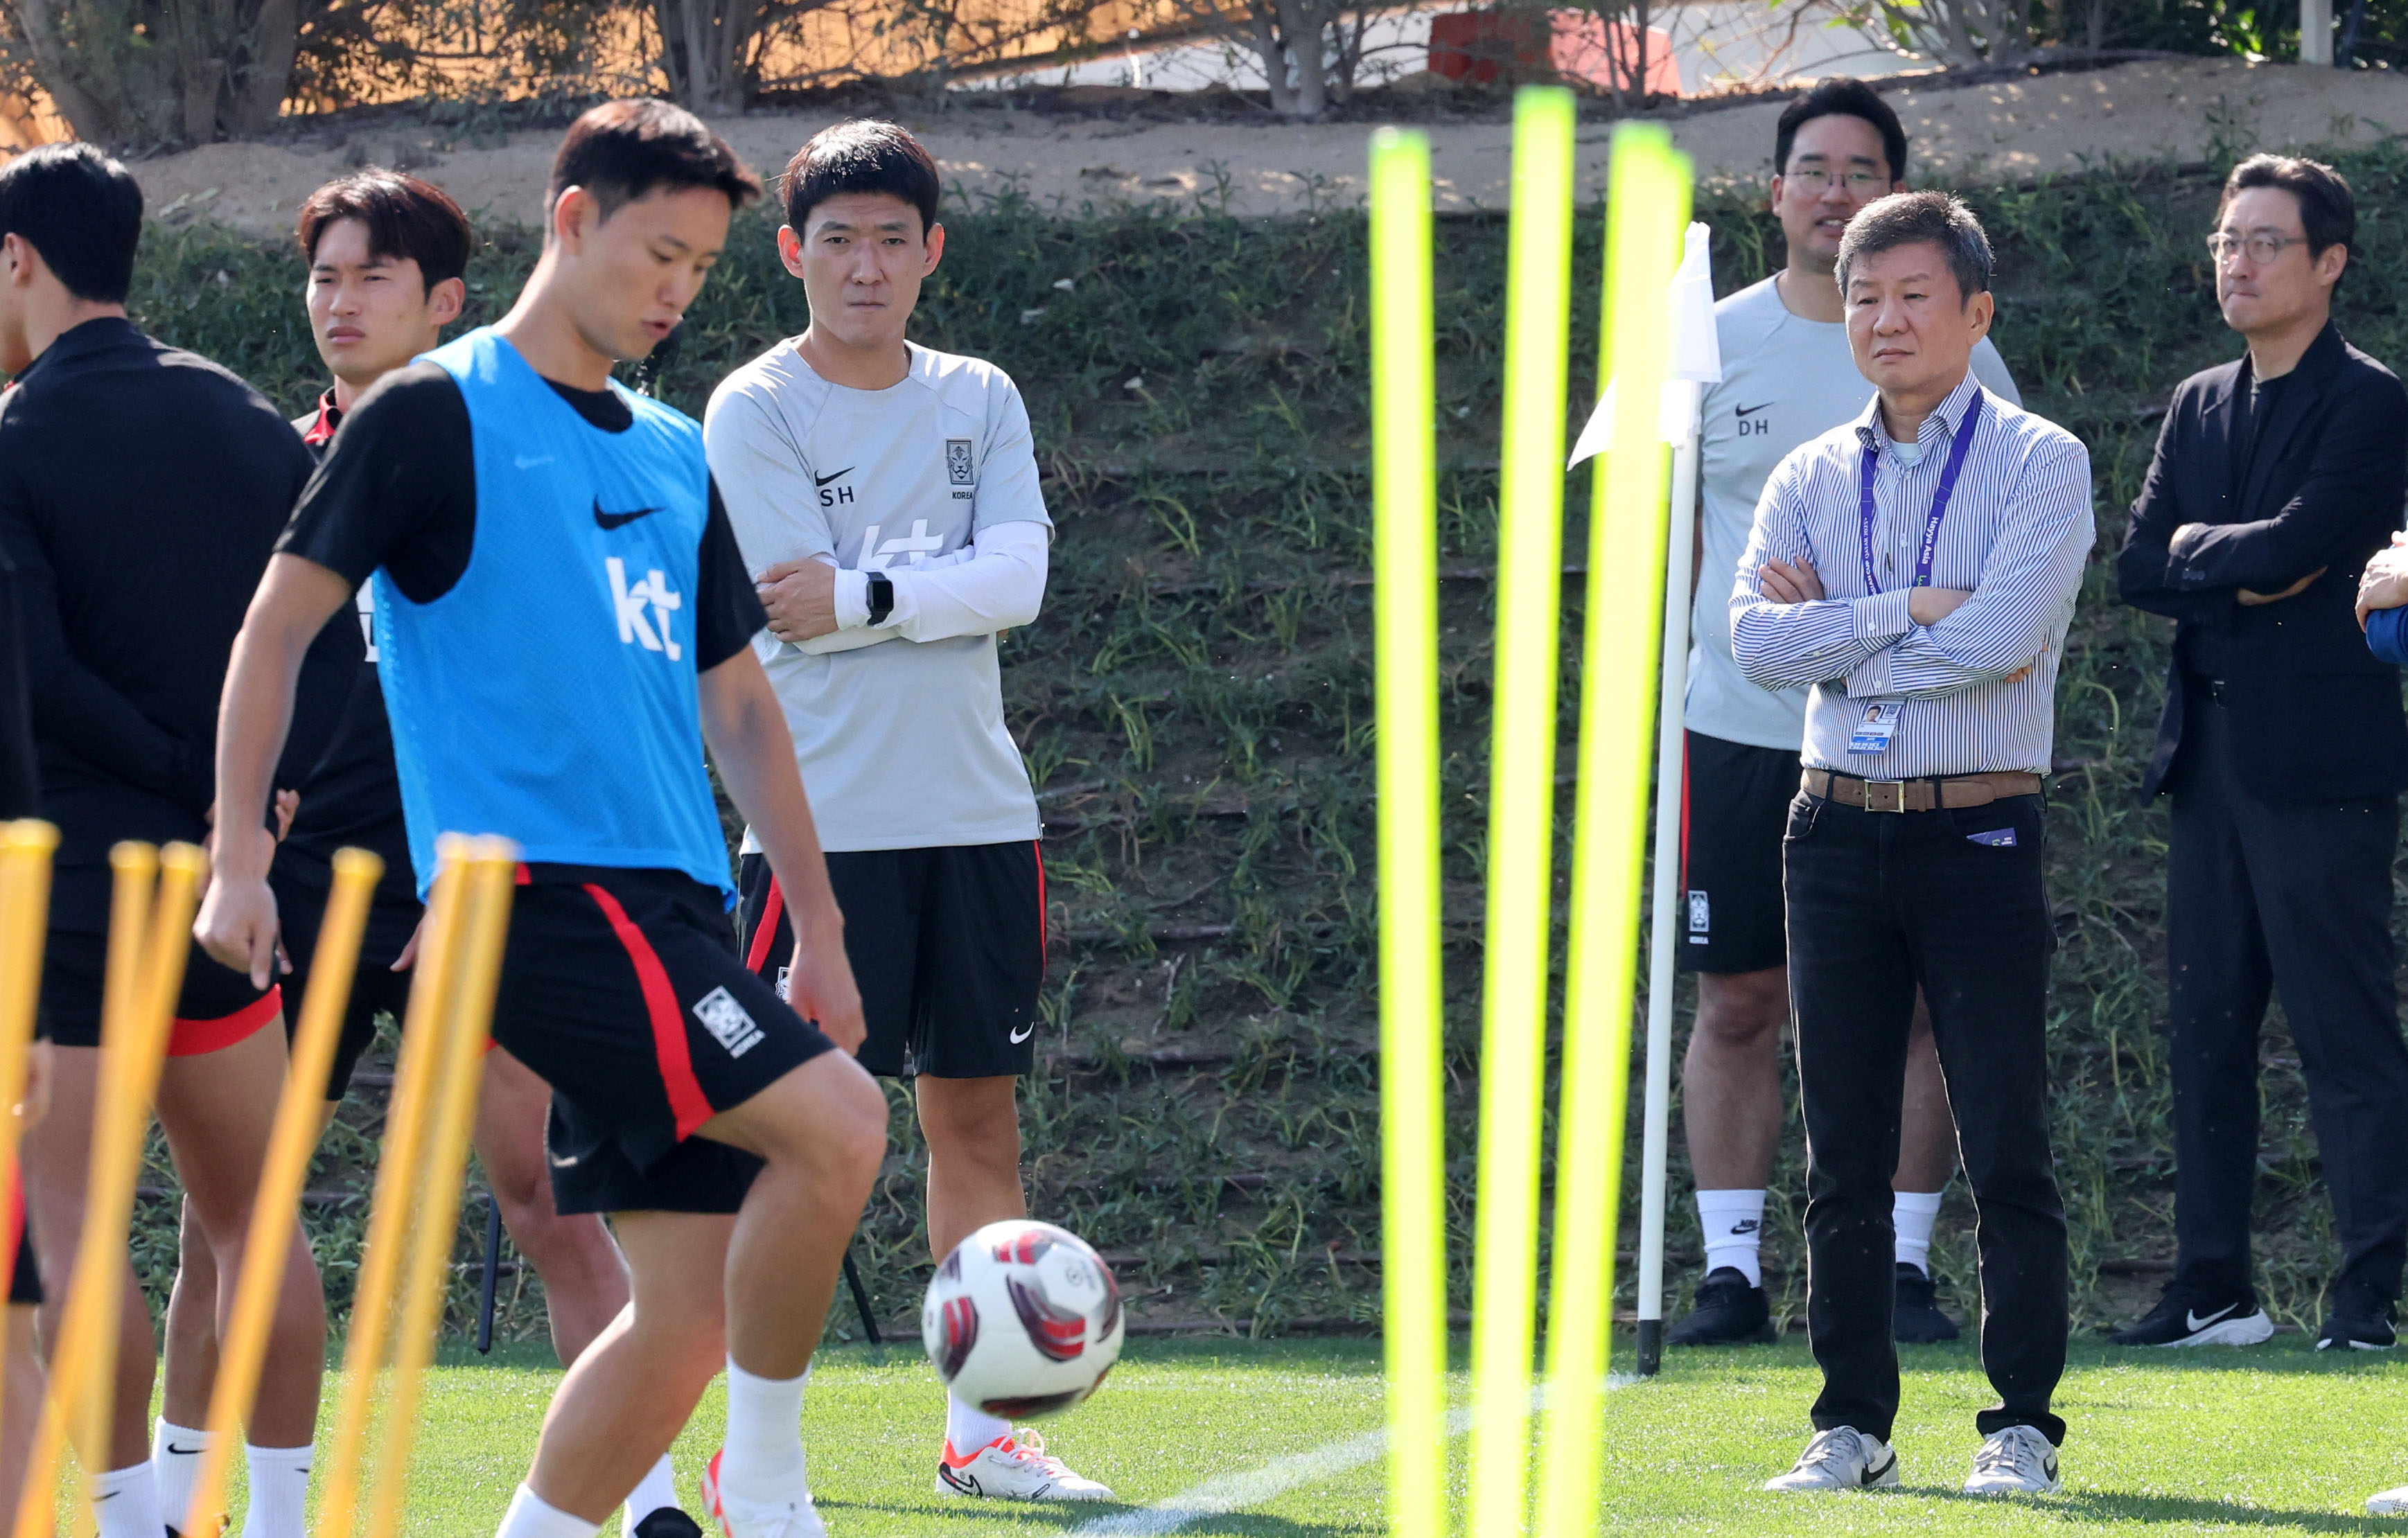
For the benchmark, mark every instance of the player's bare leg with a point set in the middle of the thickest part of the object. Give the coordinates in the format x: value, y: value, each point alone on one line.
x: 821, y: 1132
x: 1732, y: 1108
x: 24, y: 1405
x: 56, y: 1155
x: 972, y: 1129
x: 584, y: 1280
x: 632, y: 1390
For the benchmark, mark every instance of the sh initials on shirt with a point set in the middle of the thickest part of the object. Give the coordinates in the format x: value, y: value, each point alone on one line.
x: 635, y: 627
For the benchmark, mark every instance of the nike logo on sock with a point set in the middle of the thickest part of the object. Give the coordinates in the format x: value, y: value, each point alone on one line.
x: 2198, y: 1324
x: 173, y: 1448
x: 1746, y: 1225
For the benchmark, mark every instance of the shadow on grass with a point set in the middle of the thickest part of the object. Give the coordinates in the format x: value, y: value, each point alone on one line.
x: 1109, y: 1518
x: 2104, y: 1507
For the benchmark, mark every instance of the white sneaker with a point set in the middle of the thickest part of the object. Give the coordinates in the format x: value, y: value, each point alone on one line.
x: 786, y: 1520
x: 1016, y: 1467
x: 1842, y: 1458
x: 2016, y: 1461
x: 2388, y: 1504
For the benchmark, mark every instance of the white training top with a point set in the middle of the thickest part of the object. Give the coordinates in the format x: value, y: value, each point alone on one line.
x: 1785, y: 382
x: 899, y: 730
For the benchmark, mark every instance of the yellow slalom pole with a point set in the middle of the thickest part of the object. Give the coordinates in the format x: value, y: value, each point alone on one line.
x: 1412, y: 1118
x: 276, y: 1208
x: 25, y: 850
x: 492, y: 873
x: 1649, y: 207
x: 406, y: 1120
x: 1521, y: 806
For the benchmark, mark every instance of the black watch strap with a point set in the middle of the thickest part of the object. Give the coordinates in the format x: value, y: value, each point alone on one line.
x: 881, y: 597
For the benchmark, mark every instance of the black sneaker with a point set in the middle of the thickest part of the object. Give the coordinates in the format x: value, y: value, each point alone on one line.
x: 669, y: 1522
x: 1728, y: 1312
x: 1915, y: 1319
x: 2183, y: 1317
x: 2360, y: 1320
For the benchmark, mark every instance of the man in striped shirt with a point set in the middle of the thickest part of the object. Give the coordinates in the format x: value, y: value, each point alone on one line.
x: 1917, y: 569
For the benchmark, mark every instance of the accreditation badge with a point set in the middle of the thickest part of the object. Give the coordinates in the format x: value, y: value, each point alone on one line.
x: 1878, y: 724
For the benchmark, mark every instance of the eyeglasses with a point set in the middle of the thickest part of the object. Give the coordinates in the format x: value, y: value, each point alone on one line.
x: 2263, y: 248
x: 1862, y: 183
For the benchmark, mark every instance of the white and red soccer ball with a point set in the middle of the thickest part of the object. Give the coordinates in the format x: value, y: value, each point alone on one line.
x: 1022, y: 1320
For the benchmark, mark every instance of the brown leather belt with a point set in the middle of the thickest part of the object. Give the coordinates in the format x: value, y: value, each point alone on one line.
x: 1918, y: 795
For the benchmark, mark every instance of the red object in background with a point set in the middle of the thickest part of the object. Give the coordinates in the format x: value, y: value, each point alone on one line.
x: 1482, y: 46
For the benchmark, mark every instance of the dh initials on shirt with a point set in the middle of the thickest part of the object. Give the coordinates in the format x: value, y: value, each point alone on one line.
x: 652, y: 593
x: 877, y: 558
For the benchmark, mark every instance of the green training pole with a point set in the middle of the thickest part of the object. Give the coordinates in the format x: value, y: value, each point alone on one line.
x: 1648, y: 209
x: 1412, y: 1125
x: 1521, y: 807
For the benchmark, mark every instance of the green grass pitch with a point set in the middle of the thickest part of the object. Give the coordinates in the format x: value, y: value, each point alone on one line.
x: 2275, y: 1439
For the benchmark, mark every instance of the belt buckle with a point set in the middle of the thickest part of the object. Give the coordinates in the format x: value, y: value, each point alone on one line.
x: 1896, y: 788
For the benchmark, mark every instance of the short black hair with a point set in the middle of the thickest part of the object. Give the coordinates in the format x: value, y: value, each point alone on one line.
x: 2328, y: 208
x: 82, y: 210
x: 623, y: 151
x: 406, y: 219
x: 861, y: 155
x: 1841, y: 97
x: 1913, y: 219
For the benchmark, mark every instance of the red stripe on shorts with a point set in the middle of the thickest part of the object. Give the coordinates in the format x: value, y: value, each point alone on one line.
x: 1042, y: 938
x: 686, y: 1099
x: 764, y: 934
x: 198, y: 1038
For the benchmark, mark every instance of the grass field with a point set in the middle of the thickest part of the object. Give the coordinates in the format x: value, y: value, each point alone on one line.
x: 2273, y: 1439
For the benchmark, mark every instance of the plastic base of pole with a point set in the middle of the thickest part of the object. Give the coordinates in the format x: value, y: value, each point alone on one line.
x: 1651, y: 1347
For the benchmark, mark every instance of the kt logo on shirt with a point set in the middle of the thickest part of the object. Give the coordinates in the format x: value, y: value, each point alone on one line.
x: 644, y: 609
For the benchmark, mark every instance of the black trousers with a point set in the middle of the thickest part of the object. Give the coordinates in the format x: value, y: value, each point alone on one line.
x: 1952, y: 901
x: 2261, y: 896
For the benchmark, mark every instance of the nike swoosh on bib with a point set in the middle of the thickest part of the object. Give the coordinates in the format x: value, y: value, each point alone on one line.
x: 1019, y: 1036
x: 2198, y: 1324
x: 619, y: 521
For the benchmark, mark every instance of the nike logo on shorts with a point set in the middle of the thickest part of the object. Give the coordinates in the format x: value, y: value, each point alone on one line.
x: 1022, y: 1035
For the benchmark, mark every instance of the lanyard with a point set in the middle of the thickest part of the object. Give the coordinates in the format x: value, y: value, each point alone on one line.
x: 1938, y: 503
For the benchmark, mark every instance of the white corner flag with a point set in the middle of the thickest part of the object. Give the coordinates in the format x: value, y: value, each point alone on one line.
x: 1697, y: 354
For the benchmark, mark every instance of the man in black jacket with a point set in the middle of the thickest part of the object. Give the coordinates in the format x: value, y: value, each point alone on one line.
x: 2276, y: 477
x: 141, y: 492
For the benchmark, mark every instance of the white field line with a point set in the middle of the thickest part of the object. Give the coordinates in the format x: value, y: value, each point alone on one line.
x: 1231, y: 1492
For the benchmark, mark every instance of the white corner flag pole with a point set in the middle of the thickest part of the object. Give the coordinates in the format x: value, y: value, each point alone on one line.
x: 1697, y: 362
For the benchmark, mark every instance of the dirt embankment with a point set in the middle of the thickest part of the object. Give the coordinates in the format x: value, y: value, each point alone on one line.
x: 2020, y: 127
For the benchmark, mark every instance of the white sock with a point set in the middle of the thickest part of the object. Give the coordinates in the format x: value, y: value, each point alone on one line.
x: 1913, y: 1213
x: 530, y: 1517
x: 176, y: 1464
x: 657, y: 1488
x: 1733, y: 1221
x: 279, y: 1491
x: 128, y: 1500
x: 763, y: 1461
x: 968, y: 1428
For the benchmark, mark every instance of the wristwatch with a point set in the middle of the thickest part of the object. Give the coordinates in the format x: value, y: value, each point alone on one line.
x: 881, y: 597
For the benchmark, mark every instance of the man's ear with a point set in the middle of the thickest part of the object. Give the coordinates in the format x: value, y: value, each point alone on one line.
x: 1983, y: 308
x: 936, y: 249
x: 790, y: 250
x: 2330, y: 263
x: 20, y: 263
x: 572, y: 215
x: 447, y: 299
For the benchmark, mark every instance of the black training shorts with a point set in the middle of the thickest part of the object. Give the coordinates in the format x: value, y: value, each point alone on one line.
x: 217, y: 1008
x: 1734, y: 807
x: 947, y: 946
x: 623, y: 992
x: 302, y: 883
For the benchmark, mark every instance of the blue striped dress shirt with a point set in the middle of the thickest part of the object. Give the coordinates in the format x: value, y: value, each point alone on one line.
x: 1979, y: 687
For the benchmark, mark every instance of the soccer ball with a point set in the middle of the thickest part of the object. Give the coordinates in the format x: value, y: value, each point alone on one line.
x: 1022, y: 1320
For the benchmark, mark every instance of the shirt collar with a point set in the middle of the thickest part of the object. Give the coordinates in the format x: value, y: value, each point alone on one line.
x: 330, y: 416
x: 95, y: 335
x: 1948, y: 414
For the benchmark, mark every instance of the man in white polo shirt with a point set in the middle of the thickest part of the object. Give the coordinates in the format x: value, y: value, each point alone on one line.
x: 1787, y: 379
x: 885, y: 497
